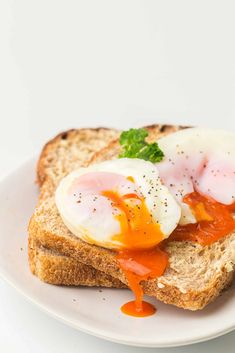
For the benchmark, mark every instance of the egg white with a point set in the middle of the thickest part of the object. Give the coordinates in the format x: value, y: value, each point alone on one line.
x: 100, y: 227
x: 198, y: 159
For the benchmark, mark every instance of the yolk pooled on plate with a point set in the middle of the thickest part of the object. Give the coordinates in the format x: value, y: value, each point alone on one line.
x: 141, y: 261
x: 214, y: 220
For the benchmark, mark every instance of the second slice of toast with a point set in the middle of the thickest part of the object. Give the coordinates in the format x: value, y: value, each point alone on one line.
x: 54, y: 268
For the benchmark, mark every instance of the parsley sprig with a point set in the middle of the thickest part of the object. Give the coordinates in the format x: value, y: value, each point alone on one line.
x: 134, y: 146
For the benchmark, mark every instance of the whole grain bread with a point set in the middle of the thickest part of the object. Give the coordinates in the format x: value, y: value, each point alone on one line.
x: 54, y: 268
x: 196, y: 274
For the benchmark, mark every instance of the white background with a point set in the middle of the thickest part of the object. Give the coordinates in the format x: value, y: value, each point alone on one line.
x: 118, y: 63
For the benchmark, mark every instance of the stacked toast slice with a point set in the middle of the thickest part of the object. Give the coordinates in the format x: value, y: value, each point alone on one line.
x: 196, y: 274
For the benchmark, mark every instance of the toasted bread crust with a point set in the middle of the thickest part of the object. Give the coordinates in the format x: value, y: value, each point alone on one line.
x: 58, y: 269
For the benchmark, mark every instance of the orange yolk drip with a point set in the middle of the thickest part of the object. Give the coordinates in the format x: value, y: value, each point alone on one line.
x: 140, y: 265
x: 139, y: 260
x: 215, y: 220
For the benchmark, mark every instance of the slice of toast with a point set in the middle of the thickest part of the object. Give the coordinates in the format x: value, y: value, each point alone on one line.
x: 54, y: 268
x: 196, y: 274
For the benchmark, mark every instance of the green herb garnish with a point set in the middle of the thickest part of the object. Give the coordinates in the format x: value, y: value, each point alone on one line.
x: 134, y: 146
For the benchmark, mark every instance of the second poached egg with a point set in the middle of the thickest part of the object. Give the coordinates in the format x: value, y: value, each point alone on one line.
x: 202, y: 160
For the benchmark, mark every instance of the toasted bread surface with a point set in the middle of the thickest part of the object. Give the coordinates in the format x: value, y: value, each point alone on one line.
x: 196, y: 274
x: 70, y: 150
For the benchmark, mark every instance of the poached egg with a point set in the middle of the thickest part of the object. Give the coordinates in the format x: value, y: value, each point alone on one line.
x: 202, y: 160
x: 118, y: 204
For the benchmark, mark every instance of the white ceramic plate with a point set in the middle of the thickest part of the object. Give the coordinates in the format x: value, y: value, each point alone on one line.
x: 93, y: 310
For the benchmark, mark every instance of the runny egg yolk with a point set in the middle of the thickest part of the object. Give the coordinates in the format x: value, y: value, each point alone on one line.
x: 138, y: 229
x: 214, y: 220
x: 141, y: 261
